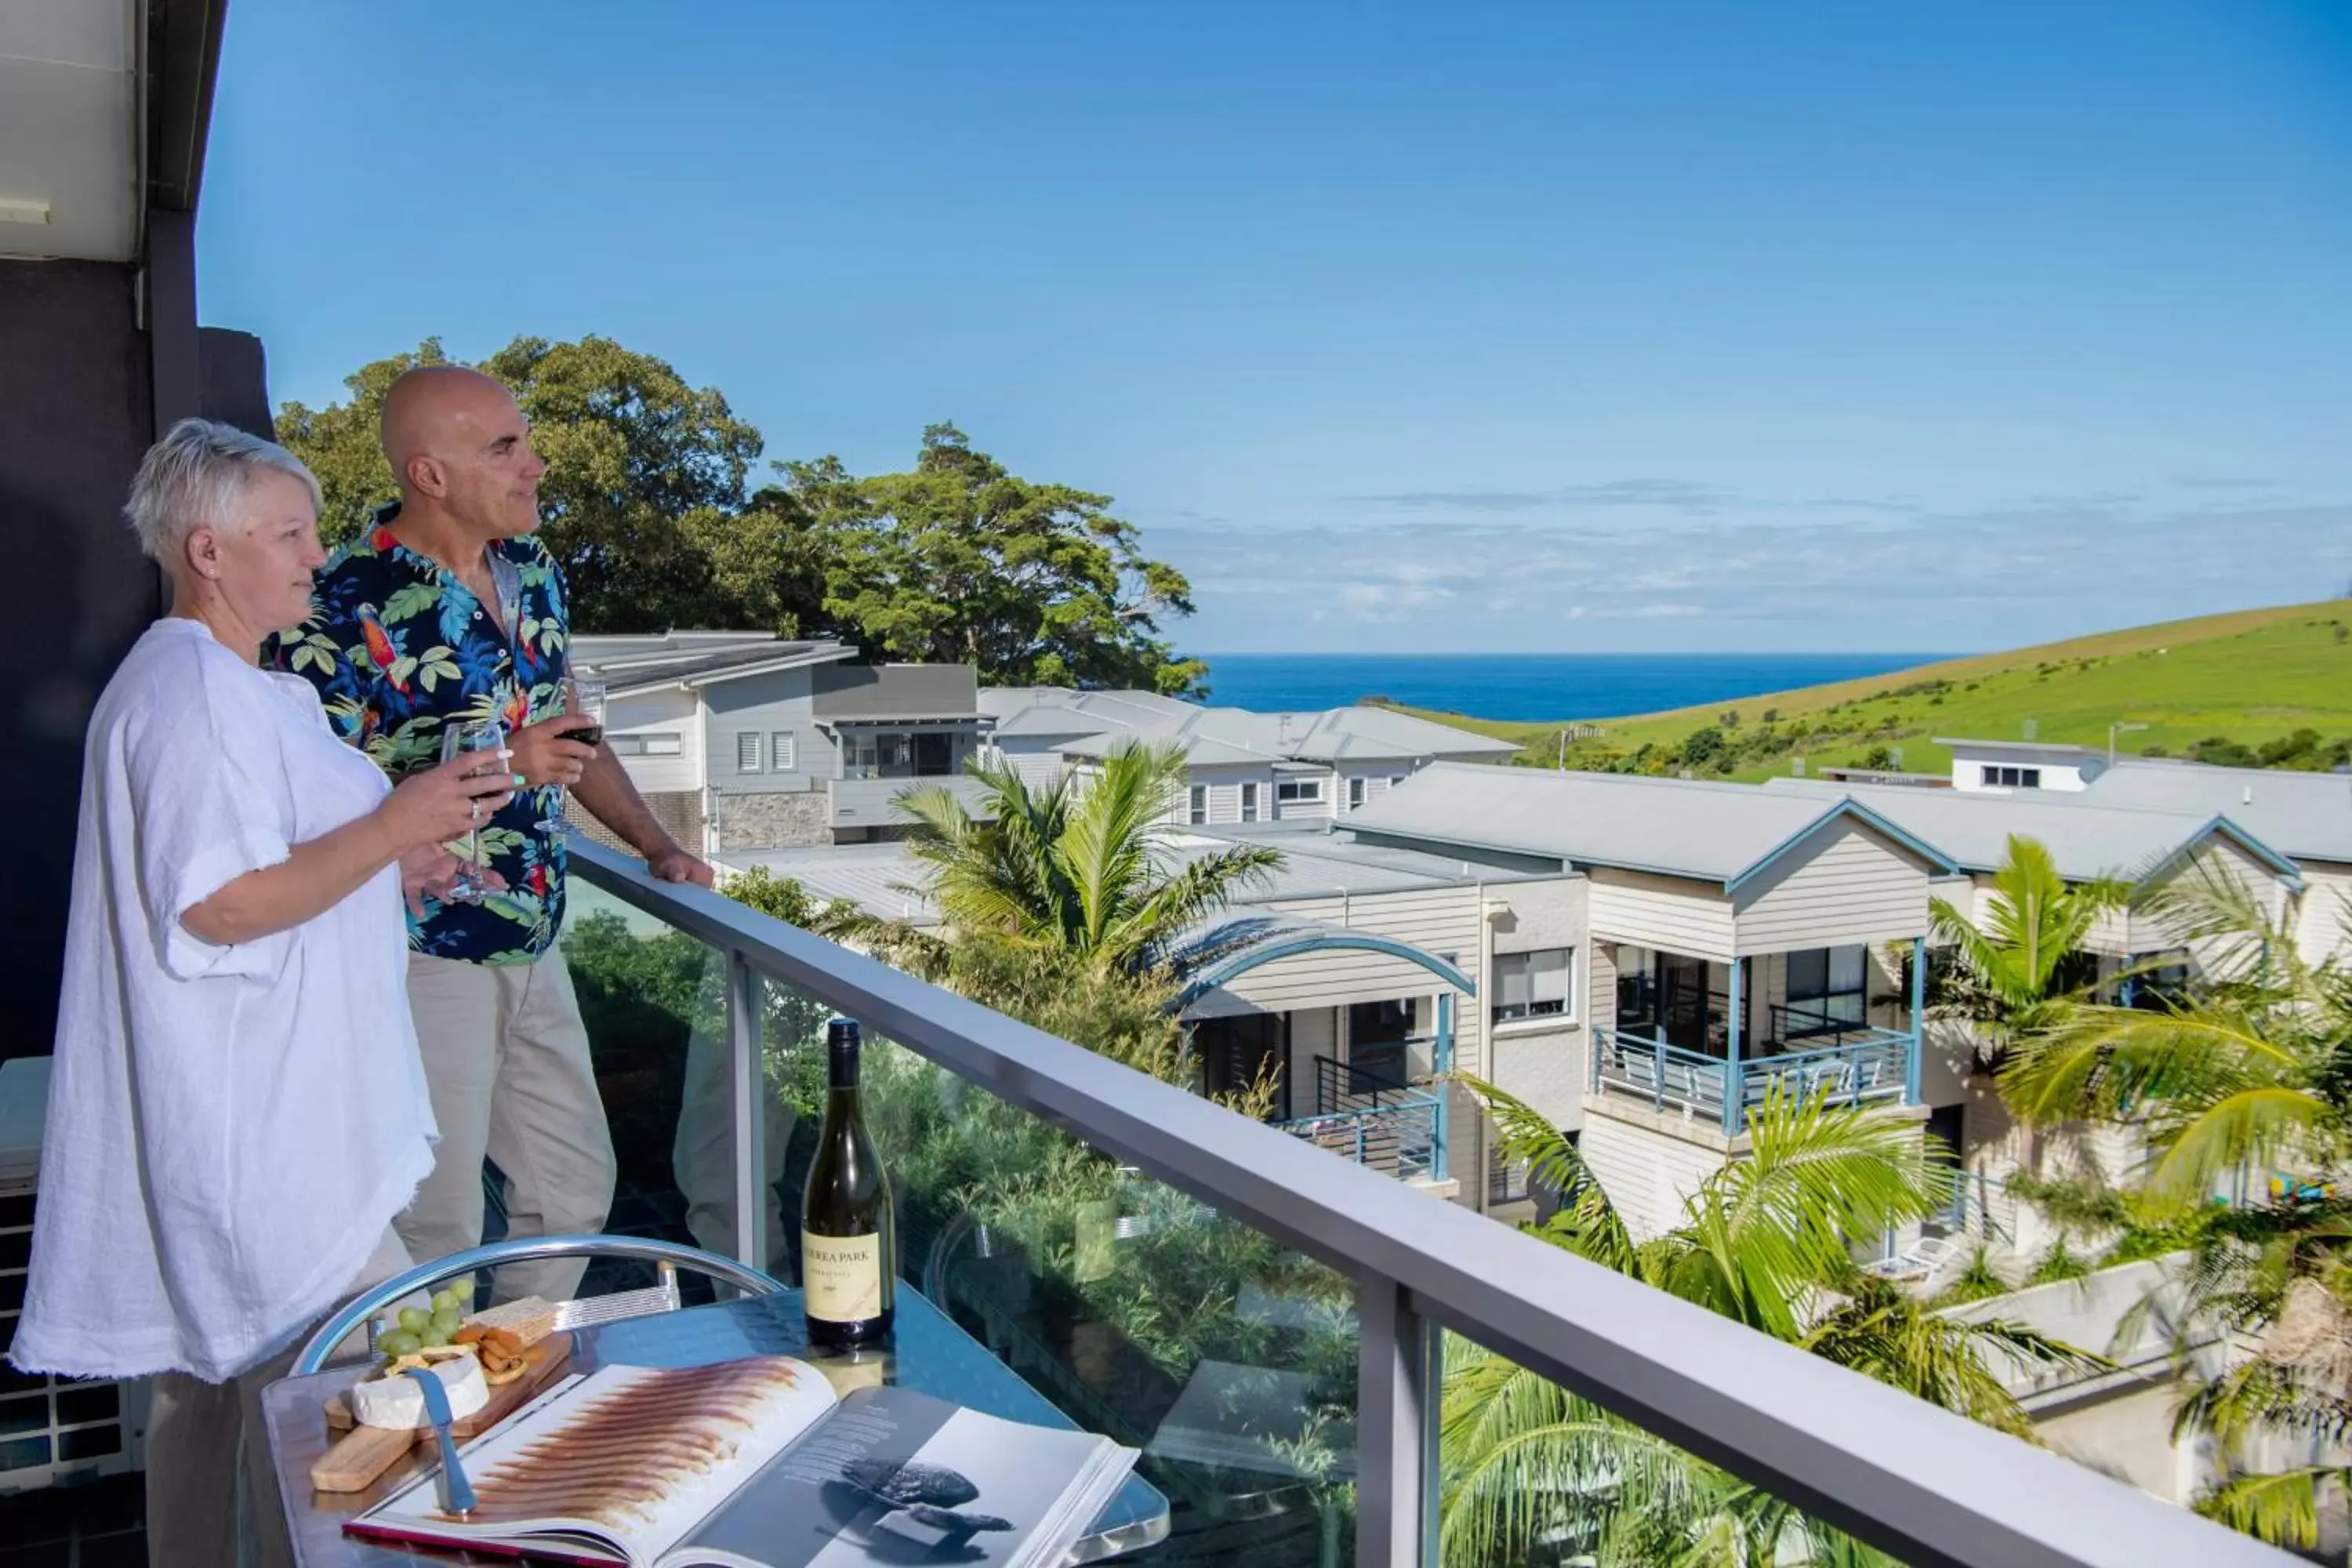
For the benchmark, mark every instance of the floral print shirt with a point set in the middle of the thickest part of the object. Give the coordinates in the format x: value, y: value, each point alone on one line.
x: 398, y: 647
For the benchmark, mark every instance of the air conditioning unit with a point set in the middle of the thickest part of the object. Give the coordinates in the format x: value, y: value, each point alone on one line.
x: 51, y: 1428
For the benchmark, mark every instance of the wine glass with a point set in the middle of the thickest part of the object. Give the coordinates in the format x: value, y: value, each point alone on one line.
x: 583, y: 697
x: 458, y: 738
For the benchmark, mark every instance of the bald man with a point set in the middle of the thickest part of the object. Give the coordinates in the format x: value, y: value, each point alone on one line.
x: 448, y: 608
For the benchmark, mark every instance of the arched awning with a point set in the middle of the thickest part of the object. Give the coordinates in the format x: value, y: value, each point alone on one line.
x: 1218, y: 954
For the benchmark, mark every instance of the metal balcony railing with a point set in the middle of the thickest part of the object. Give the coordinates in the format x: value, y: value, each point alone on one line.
x: 1929, y: 1487
x: 1868, y: 1065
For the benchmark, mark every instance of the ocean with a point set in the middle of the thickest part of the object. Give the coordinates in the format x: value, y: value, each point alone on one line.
x: 1530, y: 688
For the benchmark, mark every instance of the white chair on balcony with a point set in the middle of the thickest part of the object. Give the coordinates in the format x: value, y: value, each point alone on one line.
x: 1918, y: 1261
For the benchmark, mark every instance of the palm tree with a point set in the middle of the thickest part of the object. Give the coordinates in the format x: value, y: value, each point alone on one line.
x: 1080, y: 868
x: 1764, y: 1241
x: 2254, y: 1072
x: 2024, y: 963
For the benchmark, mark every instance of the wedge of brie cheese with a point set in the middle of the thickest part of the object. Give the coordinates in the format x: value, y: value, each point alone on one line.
x: 396, y: 1402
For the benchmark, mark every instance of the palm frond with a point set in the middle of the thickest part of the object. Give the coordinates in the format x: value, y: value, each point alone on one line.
x: 2280, y: 1507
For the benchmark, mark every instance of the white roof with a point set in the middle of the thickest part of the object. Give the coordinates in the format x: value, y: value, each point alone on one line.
x: 2306, y: 815
x: 1679, y: 827
x: 1239, y: 735
x: 1056, y: 711
x: 2084, y: 841
x: 1316, y: 864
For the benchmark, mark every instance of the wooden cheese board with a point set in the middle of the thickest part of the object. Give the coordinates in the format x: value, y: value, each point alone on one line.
x: 354, y: 1461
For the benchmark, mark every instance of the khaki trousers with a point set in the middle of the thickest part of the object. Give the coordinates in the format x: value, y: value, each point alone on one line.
x: 702, y: 1152
x: 212, y: 1490
x: 505, y: 1057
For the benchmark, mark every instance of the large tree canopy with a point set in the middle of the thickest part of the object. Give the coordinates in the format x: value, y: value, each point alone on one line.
x: 646, y: 503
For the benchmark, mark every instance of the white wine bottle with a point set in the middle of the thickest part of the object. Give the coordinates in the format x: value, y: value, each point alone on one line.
x: 849, y: 1240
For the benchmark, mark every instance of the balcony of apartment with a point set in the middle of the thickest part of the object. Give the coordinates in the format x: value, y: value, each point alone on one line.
x: 1715, y: 1040
x: 1267, y: 1324
x: 869, y: 801
x: 1310, y: 1012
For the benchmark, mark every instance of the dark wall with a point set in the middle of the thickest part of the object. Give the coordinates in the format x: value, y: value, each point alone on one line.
x: 76, y: 412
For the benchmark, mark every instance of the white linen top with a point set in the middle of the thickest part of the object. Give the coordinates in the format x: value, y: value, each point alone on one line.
x: 230, y: 1129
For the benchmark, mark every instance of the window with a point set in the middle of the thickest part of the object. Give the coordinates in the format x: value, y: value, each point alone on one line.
x: 747, y: 751
x: 1356, y: 788
x: 1825, y: 991
x: 663, y: 745
x: 1395, y: 779
x: 782, y: 753
x: 1197, y: 809
x: 2012, y: 778
x: 1249, y: 803
x: 1532, y: 985
x: 1289, y: 790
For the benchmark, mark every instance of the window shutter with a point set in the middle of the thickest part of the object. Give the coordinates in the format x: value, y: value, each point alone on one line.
x: 747, y: 751
x: 781, y: 752
x: 1549, y: 979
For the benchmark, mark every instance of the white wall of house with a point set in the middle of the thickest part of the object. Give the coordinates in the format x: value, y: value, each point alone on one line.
x: 1441, y: 922
x: 1357, y: 785
x: 653, y: 736
x: 1542, y: 1060
x: 2323, y: 928
x: 1848, y: 883
x: 1230, y: 796
x: 1670, y: 913
x: 1327, y: 793
x: 2229, y: 860
x: 2065, y: 768
x: 1648, y: 1174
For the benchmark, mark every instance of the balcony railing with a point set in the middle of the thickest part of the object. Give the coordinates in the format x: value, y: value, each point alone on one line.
x: 1397, y: 1137
x: 1869, y: 1064
x: 1929, y: 1487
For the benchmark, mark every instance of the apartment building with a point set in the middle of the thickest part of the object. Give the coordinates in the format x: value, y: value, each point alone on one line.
x: 1245, y: 767
x: 2306, y: 816
x: 1735, y: 940
x: 1358, y: 978
x: 742, y: 740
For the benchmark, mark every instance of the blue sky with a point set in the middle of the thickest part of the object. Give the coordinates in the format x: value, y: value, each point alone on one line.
x: 1472, y: 327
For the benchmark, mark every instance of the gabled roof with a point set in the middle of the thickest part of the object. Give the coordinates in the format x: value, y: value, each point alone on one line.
x: 1035, y: 712
x: 2084, y: 841
x: 1211, y: 736
x: 1722, y: 832
x: 2306, y: 815
x: 630, y: 664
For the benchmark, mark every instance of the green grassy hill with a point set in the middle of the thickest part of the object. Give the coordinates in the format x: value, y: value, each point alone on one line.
x: 2223, y: 688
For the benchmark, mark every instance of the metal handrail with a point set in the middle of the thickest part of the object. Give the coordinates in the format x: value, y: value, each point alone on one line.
x: 424, y: 1276
x: 1932, y: 1488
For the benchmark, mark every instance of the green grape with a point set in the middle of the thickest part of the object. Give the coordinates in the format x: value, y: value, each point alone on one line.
x: 446, y: 1323
x: 400, y: 1342
x: 444, y: 1300
x: 463, y: 1289
x: 433, y: 1335
x: 414, y: 1319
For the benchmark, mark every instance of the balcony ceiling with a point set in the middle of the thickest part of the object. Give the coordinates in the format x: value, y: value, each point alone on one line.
x: 103, y: 110
x: 69, y: 127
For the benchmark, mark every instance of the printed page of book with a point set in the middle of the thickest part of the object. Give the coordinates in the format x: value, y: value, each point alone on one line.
x: 636, y: 1455
x: 896, y: 1476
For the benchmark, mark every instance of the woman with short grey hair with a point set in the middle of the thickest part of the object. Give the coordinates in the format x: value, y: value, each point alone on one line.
x: 236, y: 1109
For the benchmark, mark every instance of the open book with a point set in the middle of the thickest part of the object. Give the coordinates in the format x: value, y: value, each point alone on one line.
x: 756, y: 1464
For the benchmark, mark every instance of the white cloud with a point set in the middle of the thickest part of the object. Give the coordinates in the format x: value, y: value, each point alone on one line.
x: 1763, y: 576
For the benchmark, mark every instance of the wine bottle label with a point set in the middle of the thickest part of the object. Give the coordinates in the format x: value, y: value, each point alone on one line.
x: 841, y: 1277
